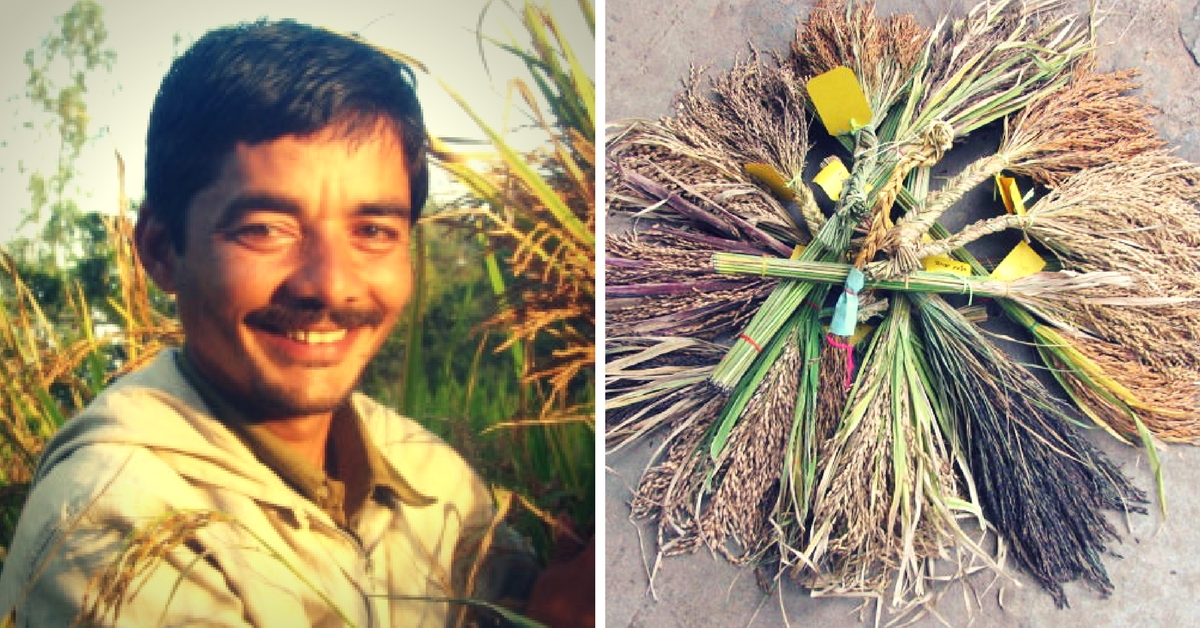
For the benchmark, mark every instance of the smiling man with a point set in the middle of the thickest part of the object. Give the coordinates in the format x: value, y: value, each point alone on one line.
x: 285, y: 167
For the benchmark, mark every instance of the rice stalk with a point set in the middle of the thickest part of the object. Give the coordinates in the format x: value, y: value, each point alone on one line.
x: 754, y: 113
x: 988, y: 65
x: 1048, y: 289
x: 648, y: 381
x: 997, y: 60
x: 738, y: 516
x: 643, y: 152
x: 121, y: 580
x: 1117, y: 390
x: 885, y: 504
x: 1093, y: 121
x: 882, y: 52
x: 1042, y: 486
x: 1134, y: 215
x: 820, y: 397
x: 669, y: 487
x: 753, y: 116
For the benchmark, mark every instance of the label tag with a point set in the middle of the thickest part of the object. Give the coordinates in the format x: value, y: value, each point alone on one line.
x: 1022, y: 261
x: 839, y: 101
x: 797, y: 251
x: 832, y: 178
x: 943, y: 264
x: 845, y: 311
x: 1013, y: 201
x: 770, y: 177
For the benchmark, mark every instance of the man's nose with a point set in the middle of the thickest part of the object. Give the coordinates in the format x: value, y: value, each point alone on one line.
x: 327, y: 270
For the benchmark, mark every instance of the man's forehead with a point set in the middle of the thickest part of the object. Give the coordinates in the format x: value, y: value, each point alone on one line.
x: 352, y: 129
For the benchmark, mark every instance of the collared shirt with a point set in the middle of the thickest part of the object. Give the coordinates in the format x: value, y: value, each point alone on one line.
x: 240, y: 546
x: 357, y: 469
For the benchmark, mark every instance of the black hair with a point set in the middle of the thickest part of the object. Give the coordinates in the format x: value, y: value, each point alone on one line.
x: 256, y: 82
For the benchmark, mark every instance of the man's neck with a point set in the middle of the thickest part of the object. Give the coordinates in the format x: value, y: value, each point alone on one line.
x: 307, y: 436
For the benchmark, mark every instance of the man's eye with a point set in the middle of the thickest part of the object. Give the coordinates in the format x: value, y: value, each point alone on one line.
x: 256, y: 231
x: 378, y: 235
x: 260, y: 235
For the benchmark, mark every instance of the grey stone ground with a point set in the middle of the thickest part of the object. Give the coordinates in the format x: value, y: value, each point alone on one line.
x: 649, y: 47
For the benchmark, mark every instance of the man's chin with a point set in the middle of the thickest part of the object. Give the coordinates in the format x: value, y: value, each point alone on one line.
x: 275, y: 402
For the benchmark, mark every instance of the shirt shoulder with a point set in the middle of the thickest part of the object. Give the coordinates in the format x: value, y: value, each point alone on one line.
x: 426, y: 461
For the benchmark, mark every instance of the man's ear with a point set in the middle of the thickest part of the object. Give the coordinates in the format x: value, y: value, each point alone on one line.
x: 154, y: 247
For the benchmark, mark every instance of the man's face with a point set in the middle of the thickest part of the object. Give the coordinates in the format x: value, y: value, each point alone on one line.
x: 295, y: 269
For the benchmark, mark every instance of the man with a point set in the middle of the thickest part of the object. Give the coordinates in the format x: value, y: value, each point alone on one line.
x: 285, y: 166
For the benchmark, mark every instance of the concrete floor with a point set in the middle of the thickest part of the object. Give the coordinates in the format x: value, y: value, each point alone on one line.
x: 649, y: 47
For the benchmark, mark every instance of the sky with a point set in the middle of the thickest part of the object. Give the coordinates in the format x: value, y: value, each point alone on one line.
x: 148, y: 35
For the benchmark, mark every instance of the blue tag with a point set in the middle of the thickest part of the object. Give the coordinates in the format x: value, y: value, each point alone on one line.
x: 845, y: 313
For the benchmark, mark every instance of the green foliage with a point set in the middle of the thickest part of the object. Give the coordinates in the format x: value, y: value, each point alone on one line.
x: 538, y: 211
x: 57, y: 86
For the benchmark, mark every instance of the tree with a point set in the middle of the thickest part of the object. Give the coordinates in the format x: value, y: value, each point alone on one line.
x: 57, y: 85
x: 69, y: 238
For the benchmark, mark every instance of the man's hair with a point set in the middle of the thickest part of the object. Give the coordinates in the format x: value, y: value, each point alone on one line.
x: 260, y: 81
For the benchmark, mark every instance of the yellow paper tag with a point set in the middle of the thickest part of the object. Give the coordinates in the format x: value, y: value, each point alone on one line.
x: 832, y: 178
x: 797, y: 251
x: 1022, y: 261
x: 943, y: 264
x: 770, y: 177
x: 839, y: 101
x: 1013, y: 201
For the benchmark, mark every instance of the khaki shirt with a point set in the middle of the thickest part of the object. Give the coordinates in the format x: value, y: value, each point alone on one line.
x: 148, y: 450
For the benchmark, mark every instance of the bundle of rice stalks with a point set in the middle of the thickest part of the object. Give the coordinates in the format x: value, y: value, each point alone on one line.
x: 884, y: 505
x: 856, y: 477
x: 1136, y: 216
x: 1091, y: 122
x: 659, y: 282
x: 882, y: 53
x: 1041, y: 485
x: 651, y: 379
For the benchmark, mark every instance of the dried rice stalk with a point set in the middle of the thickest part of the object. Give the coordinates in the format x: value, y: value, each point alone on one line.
x: 668, y: 488
x: 1041, y: 485
x: 1157, y: 325
x: 737, y: 520
x: 1121, y: 390
x: 650, y: 381
x: 110, y: 589
x: 1138, y: 215
x: 753, y: 113
x: 658, y: 283
x: 882, y: 52
x: 654, y: 173
x: 1092, y: 122
x: 999, y: 58
x: 880, y: 510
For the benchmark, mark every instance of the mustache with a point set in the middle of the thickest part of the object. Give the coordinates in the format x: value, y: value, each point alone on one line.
x: 296, y: 317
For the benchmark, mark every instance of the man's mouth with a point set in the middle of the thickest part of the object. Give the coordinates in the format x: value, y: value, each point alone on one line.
x: 316, y: 337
